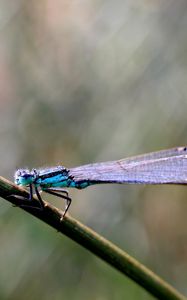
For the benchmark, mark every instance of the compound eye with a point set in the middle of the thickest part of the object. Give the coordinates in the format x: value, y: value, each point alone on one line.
x: 23, y: 177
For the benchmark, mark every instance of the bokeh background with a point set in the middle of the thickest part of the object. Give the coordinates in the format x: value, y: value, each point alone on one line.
x: 86, y: 81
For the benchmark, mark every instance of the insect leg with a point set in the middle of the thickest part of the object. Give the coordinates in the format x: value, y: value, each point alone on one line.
x: 59, y: 193
x: 25, y: 202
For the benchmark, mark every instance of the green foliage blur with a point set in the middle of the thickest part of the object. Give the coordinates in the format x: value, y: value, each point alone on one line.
x: 81, y: 82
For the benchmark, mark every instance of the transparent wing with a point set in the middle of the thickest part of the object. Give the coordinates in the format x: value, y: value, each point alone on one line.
x: 166, y: 166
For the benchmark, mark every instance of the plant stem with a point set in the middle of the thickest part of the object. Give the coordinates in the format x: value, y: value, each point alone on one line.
x: 95, y: 243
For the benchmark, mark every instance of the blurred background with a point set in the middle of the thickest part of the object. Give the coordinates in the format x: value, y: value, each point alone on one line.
x: 81, y: 82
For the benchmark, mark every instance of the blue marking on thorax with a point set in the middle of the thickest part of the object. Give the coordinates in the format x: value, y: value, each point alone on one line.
x: 58, y: 180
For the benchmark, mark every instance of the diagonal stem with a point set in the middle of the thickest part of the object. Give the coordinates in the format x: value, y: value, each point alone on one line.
x: 95, y: 243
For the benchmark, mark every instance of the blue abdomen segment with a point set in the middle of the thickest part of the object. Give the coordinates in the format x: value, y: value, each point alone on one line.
x: 80, y: 184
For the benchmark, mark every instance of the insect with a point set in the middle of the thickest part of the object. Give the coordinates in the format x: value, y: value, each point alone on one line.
x: 161, y: 167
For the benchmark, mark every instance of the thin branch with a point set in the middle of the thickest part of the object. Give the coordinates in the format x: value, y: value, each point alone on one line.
x: 94, y: 243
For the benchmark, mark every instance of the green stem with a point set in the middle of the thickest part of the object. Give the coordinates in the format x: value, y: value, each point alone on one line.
x: 95, y: 243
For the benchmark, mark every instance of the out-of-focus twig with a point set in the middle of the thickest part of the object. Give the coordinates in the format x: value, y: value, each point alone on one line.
x: 93, y: 242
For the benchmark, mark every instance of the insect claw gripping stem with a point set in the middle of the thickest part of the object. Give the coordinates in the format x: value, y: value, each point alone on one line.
x: 28, y: 201
x: 39, y: 198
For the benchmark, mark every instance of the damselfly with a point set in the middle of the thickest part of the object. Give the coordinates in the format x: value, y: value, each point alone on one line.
x: 162, y: 167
